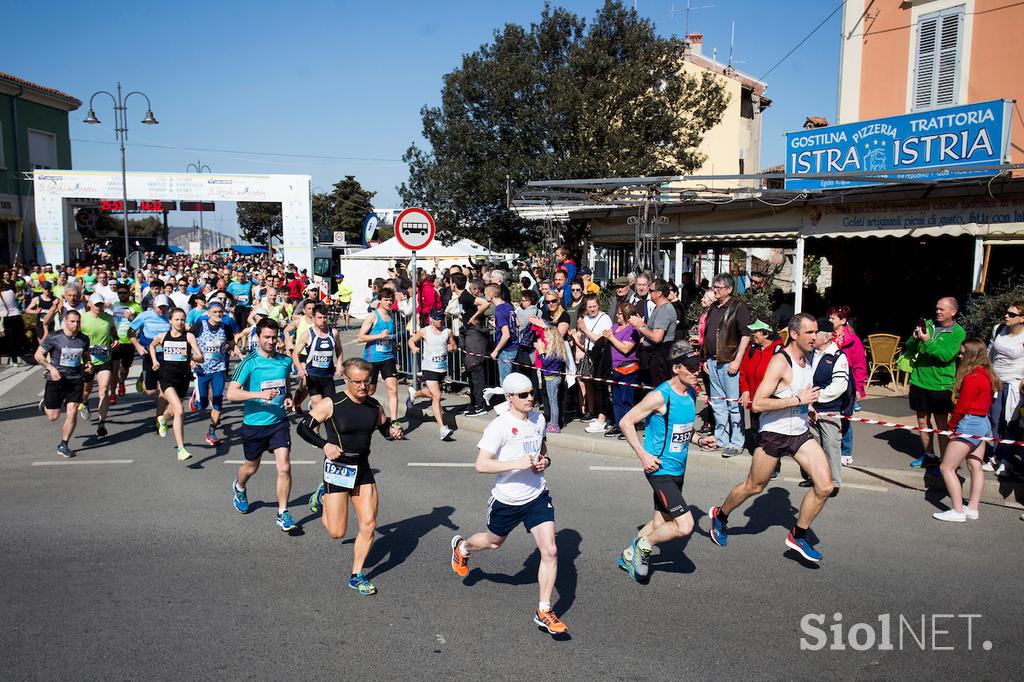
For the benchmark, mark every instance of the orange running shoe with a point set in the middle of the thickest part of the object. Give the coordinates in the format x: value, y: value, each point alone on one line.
x: 549, y: 621
x: 460, y: 563
x: 120, y: 388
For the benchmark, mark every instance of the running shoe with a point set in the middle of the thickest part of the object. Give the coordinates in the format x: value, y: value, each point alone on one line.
x: 446, y: 432
x: 359, y: 583
x: 184, y: 455
x: 120, y: 388
x: 475, y: 412
x: 193, y: 404
x: 950, y: 515
x: 626, y: 565
x: 719, y: 532
x: 856, y: 406
x: 83, y: 411
x: 549, y: 621
x: 988, y: 465
x: 971, y: 514
x: 285, y: 521
x: 595, y: 427
x: 804, y: 547
x: 924, y: 462
x: 42, y: 405
x: 161, y: 427
x: 554, y: 428
x: 65, y: 451
x: 101, y: 430
x: 112, y: 398
x: 239, y: 498
x: 776, y: 471
x: 731, y: 451
x: 139, y: 386
x: 316, y: 500
x: 409, y: 400
x: 460, y: 563
x: 211, y: 438
x: 641, y: 560
x: 613, y: 432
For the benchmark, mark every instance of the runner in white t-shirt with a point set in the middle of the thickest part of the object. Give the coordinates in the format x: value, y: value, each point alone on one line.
x: 514, y: 448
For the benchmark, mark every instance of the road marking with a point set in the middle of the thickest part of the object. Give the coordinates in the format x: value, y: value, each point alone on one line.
x: 83, y: 461
x: 294, y: 461
x: 13, y: 378
x: 441, y: 464
x: 858, y: 486
x: 599, y: 468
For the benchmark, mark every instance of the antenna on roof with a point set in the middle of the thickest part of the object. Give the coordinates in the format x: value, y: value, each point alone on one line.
x: 686, y: 11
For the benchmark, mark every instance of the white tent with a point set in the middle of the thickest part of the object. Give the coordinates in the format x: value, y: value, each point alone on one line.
x: 362, y: 267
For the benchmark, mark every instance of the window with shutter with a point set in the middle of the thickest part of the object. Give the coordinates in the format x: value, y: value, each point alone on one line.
x: 937, y: 62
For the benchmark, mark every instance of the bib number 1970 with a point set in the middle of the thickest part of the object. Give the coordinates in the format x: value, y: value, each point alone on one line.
x: 341, y: 475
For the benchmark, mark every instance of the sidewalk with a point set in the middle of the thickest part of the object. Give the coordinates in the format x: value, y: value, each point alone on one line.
x: 881, y: 454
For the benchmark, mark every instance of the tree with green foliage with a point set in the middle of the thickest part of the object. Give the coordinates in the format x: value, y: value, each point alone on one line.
x: 558, y: 100
x: 342, y: 209
x: 258, y: 221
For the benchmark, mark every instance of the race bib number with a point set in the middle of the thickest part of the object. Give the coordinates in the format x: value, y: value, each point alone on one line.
x: 213, y: 351
x: 175, y: 351
x: 100, y: 354
x: 276, y: 384
x: 440, y: 361
x: 341, y: 475
x: 383, y: 345
x: 71, y: 357
x: 681, y: 434
x: 321, y: 359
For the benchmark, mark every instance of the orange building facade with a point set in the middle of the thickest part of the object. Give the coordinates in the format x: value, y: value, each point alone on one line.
x: 904, y: 56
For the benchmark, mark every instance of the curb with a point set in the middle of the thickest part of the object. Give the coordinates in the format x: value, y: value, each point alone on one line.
x: 1003, y: 493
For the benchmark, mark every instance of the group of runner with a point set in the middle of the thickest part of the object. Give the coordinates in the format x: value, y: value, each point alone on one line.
x: 89, y: 348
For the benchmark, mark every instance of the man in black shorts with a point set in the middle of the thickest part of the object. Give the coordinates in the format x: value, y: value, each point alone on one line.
x: 783, y: 399
x: 318, y: 355
x: 65, y: 358
x: 351, y: 419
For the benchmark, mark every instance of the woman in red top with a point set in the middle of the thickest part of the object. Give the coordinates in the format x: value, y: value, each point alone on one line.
x: 974, y: 386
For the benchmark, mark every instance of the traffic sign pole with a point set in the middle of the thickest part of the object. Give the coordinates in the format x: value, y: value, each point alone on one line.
x: 415, y: 321
x: 414, y: 229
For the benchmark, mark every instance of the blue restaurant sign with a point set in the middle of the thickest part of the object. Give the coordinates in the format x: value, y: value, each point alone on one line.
x: 950, y: 140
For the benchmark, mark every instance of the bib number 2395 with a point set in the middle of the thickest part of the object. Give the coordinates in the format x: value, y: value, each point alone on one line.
x: 341, y: 475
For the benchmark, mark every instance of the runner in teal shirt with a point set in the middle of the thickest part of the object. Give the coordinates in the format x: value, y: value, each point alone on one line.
x: 256, y: 373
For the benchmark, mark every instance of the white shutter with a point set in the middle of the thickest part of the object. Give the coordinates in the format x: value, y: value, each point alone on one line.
x: 937, y: 62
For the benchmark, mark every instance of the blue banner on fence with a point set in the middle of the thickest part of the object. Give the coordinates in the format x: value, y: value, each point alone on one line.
x: 951, y: 140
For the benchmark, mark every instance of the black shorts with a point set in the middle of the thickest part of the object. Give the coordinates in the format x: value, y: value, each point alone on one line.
x: 179, y: 385
x: 668, y: 494
x: 125, y: 354
x: 57, y: 394
x: 322, y: 386
x: 779, y: 445
x: 430, y: 375
x: 364, y: 476
x: 933, y: 402
x: 503, y: 518
x: 149, y: 378
x: 386, y: 368
x: 259, y: 439
x: 343, y: 305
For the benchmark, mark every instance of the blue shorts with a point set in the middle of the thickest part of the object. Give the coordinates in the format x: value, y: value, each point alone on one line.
x: 973, y: 425
x: 259, y: 439
x: 215, y: 382
x: 503, y: 518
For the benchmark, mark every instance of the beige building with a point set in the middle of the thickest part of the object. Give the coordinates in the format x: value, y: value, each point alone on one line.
x: 733, y: 147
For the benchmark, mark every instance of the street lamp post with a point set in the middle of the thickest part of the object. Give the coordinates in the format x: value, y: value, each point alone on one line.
x: 199, y: 167
x: 121, y: 131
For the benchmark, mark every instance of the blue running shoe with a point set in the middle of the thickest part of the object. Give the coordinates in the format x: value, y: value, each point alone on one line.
x: 359, y: 583
x: 719, y: 532
x: 239, y: 498
x: 801, y: 545
x: 285, y: 522
x: 924, y: 462
x: 626, y: 566
x: 316, y: 500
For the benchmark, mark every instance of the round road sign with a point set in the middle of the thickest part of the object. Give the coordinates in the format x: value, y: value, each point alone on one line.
x: 414, y: 228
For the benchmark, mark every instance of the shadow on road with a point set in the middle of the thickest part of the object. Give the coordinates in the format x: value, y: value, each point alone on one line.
x: 399, y: 539
x: 904, y: 442
x: 771, y: 508
x: 568, y: 541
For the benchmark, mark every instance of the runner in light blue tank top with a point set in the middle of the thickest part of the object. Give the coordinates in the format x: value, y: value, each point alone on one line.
x: 381, y: 349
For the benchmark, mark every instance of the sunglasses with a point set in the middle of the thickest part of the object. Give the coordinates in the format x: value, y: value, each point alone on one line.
x: 1010, y: 313
x: 524, y: 395
x: 361, y: 382
x: 576, y: 290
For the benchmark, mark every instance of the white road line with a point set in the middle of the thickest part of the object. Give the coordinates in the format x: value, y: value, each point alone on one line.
x: 858, y: 486
x: 83, y: 461
x: 441, y: 464
x: 599, y: 468
x: 13, y: 378
x: 294, y: 461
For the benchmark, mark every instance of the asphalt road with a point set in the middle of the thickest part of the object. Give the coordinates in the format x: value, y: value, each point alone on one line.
x: 144, y: 570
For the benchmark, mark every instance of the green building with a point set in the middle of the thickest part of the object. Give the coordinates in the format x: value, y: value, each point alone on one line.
x: 33, y: 134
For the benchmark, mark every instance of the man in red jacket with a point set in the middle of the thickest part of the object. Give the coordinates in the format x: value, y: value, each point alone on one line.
x: 763, y: 345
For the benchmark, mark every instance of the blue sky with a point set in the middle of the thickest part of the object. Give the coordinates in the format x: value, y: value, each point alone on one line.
x: 345, y: 79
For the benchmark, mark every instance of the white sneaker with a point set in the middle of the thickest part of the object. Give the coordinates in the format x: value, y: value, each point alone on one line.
x: 971, y: 514
x: 1002, y: 470
x: 409, y: 400
x: 83, y: 411
x: 595, y: 427
x: 950, y: 515
x: 988, y: 466
x: 445, y: 432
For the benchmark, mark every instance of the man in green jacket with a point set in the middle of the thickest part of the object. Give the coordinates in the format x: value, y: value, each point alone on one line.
x: 937, y: 346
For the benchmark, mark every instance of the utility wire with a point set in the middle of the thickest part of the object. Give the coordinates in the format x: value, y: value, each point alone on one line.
x: 805, y: 39
x: 239, y: 151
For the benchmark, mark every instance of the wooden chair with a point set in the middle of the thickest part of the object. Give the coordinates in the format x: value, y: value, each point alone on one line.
x: 884, y: 348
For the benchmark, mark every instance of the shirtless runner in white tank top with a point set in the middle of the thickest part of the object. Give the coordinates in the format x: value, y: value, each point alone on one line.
x: 784, y: 399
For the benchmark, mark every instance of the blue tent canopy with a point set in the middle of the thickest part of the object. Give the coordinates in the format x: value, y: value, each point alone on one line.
x: 176, y: 249
x: 248, y: 249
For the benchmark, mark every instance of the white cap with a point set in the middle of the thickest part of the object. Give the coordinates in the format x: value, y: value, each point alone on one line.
x: 260, y: 310
x: 97, y: 299
x: 516, y: 383
x: 162, y: 300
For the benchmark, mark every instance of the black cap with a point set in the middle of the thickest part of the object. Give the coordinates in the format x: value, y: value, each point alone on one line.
x: 690, y: 360
x: 824, y: 325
